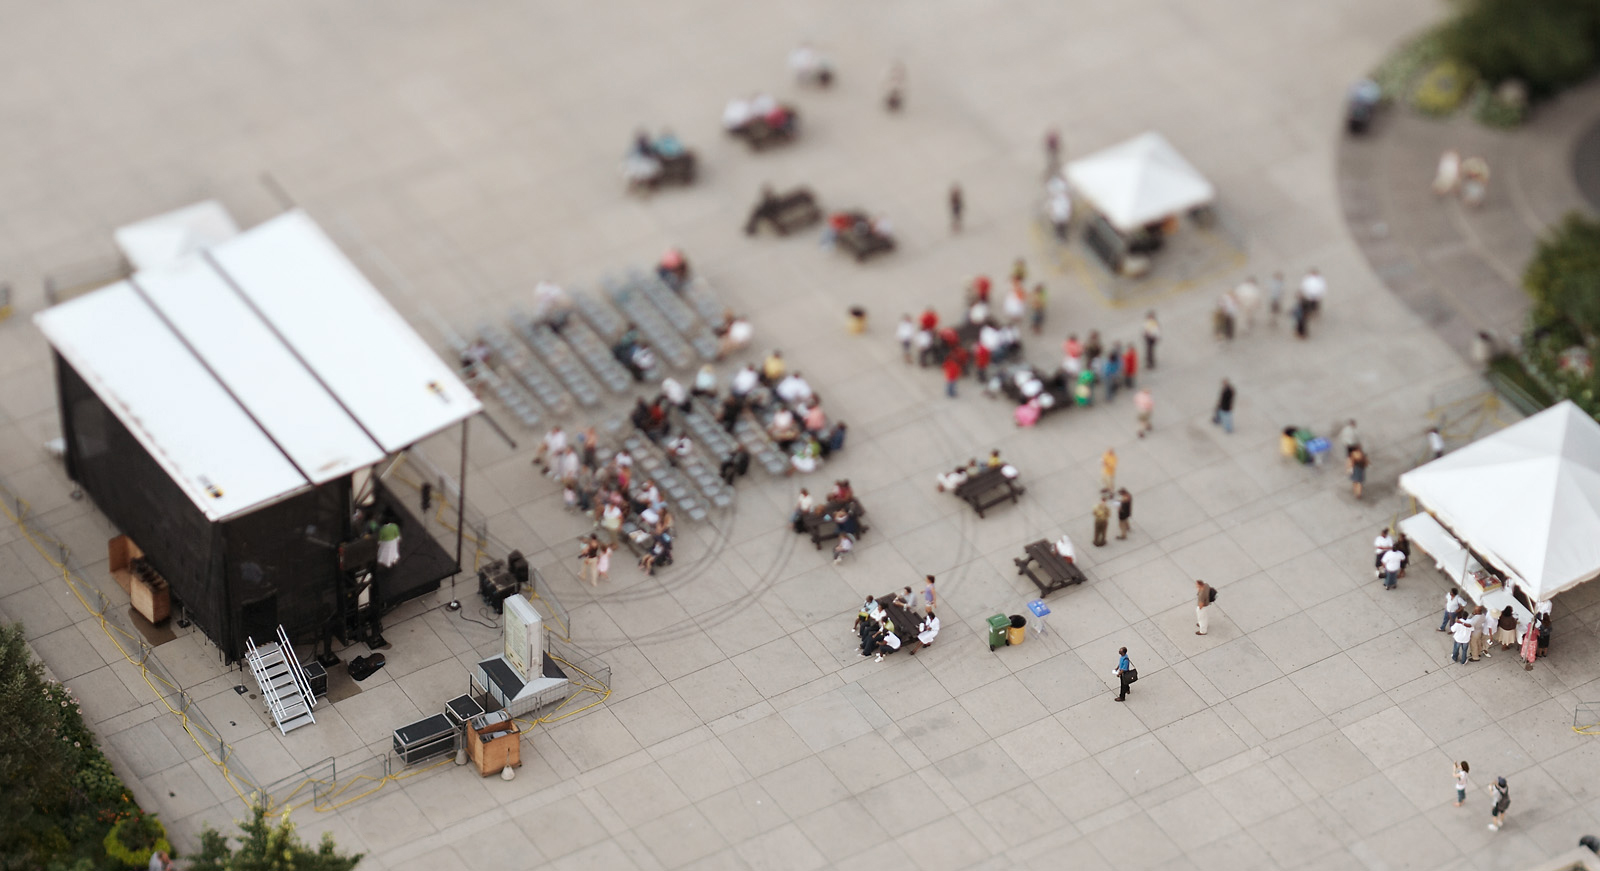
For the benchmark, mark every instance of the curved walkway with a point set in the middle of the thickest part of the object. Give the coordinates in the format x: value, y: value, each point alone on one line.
x: 1460, y: 268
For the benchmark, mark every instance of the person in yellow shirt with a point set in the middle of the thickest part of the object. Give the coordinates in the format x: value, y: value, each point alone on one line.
x: 1108, y: 469
x: 773, y: 369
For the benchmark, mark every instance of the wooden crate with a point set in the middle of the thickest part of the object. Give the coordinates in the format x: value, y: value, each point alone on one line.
x: 123, y: 553
x: 491, y: 756
x: 151, y: 598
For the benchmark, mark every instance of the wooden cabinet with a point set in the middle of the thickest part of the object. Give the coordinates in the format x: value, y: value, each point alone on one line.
x: 132, y: 572
x: 494, y: 746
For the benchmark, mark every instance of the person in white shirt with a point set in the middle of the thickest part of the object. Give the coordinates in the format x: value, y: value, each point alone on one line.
x: 737, y: 113
x: 990, y: 338
x: 889, y: 644
x: 1312, y: 289
x: 1461, y: 633
x: 763, y: 104
x: 1059, y: 209
x: 675, y: 393
x: 1065, y: 550
x: 1435, y: 443
x: 978, y: 313
x: 623, y: 459
x: 705, y: 382
x: 949, y: 481
x: 904, y: 333
x: 555, y: 442
x: 567, y: 468
x: 927, y: 631
x: 1248, y: 295
x: 793, y: 388
x: 1393, y: 561
x: 745, y: 381
x: 1452, y: 603
x: 1380, y: 545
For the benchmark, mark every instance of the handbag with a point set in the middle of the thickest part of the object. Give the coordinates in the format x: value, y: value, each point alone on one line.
x: 1132, y: 675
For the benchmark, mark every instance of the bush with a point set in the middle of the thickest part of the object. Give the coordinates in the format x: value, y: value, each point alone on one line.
x: 1443, y: 88
x: 1493, y: 110
x: 1549, y: 44
x: 1564, y: 327
x: 58, y: 795
x: 135, y: 838
x: 268, y: 846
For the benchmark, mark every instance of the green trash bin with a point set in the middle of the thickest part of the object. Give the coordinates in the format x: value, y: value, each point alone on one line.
x: 998, y: 624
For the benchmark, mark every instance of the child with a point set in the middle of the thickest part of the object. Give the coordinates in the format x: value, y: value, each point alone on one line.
x: 1461, y: 781
x: 603, y: 562
x: 905, y: 332
x: 842, y: 548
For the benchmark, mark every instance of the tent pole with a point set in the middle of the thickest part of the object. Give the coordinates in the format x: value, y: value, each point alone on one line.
x: 461, y: 516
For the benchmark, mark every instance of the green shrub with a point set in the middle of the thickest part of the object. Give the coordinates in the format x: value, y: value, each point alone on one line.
x: 1564, y: 279
x: 1443, y: 88
x: 268, y: 845
x: 1397, y: 73
x: 1549, y: 44
x: 135, y: 838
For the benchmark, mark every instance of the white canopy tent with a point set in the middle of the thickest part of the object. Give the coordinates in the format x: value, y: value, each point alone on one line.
x: 258, y: 366
x: 1526, y: 499
x: 1139, y: 182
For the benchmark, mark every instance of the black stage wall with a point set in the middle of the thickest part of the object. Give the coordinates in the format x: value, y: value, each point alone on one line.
x: 243, y: 577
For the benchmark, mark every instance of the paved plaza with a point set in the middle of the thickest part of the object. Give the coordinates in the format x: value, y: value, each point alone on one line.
x: 460, y: 152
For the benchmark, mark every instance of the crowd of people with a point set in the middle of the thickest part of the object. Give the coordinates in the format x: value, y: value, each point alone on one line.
x: 1237, y: 309
x: 881, y: 636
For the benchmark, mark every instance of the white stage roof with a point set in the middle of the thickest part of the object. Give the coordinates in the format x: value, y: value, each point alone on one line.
x: 1139, y: 182
x: 1526, y: 498
x: 161, y: 240
x: 256, y: 368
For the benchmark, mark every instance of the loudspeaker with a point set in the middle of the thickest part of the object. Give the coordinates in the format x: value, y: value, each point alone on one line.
x: 518, y: 564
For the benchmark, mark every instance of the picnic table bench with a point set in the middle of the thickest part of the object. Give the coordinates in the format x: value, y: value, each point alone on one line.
x: 787, y: 212
x: 863, y: 242
x: 905, y: 622
x: 677, y: 169
x: 821, y: 526
x: 1059, y: 573
x: 760, y: 135
x: 987, y: 489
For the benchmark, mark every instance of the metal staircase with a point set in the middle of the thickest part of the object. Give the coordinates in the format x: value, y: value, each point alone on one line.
x: 283, y: 683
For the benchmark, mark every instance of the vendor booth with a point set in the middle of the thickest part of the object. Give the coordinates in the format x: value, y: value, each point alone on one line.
x: 226, y: 407
x: 1137, y: 190
x: 1514, y: 518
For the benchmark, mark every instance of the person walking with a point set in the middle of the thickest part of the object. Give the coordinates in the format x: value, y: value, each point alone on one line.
x: 1102, y: 518
x: 1223, y: 415
x: 1146, y: 406
x: 1108, y: 469
x: 588, y: 555
x: 1349, y: 436
x: 1274, y: 297
x: 1125, y: 512
x: 952, y: 374
x: 1357, y: 463
x: 1204, y: 595
x: 905, y: 333
x: 1036, y: 306
x: 1462, y: 781
x: 602, y: 563
x: 930, y: 596
x: 1130, y: 365
x: 1393, y: 561
x: 1435, y: 442
x: 1461, y: 635
x: 1152, y: 335
x: 1052, y: 152
x: 1501, y: 793
x: 1126, y: 674
x: 1453, y: 603
x: 957, y: 205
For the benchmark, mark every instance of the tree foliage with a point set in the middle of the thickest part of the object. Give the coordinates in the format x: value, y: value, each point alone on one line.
x: 58, y: 794
x: 1564, y: 280
x: 268, y: 845
x: 1549, y: 44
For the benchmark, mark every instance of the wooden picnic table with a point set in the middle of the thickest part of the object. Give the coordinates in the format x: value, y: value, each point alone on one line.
x: 821, y: 526
x: 863, y: 242
x: 1059, y: 572
x: 988, y: 488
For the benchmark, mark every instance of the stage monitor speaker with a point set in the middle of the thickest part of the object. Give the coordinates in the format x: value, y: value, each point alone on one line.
x: 518, y: 564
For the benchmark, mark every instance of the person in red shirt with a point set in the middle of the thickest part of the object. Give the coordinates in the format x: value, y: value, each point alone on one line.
x: 980, y: 359
x: 930, y: 319
x: 952, y: 372
x: 980, y: 288
x: 1130, y: 366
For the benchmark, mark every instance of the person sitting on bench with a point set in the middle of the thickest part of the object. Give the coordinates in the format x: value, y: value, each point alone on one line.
x: 841, y: 491
x: 736, y: 465
x: 949, y: 481
x: 783, y: 429
x: 733, y: 334
x: 849, y: 523
x: 1064, y: 549
x: 640, y: 166
x: 674, y: 269
x: 887, y: 642
x: 842, y: 547
x: 806, y: 457
x: 926, y: 632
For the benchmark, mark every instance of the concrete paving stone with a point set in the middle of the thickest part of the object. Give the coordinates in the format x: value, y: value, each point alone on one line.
x: 1192, y: 821
x: 1022, y: 813
x: 803, y: 787
x: 1136, y: 842
x: 716, y: 691
x: 1141, y: 764
x: 1200, y: 740
x: 1237, y: 666
x: 1270, y: 539
x: 766, y: 744
x: 1007, y: 704
x: 681, y: 837
x: 1574, y: 770
x: 1295, y: 642
x: 946, y: 843
x: 679, y: 653
x: 839, y: 831
x: 1234, y: 851
x: 1082, y: 790
x: 606, y: 854
x: 1042, y: 747
x: 642, y: 795
x: 1369, y: 804
x: 1413, y: 844
x: 1330, y: 762
x: 592, y: 740
x: 561, y: 827
x: 704, y: 769
x: 781, y: 848
x: 655, y: 715
x: 1334, y: 684
x: 389, y: 820
x: 827, y: 719
x: 1387, y: 737
x: 1311, y: 580
x: 1255, y: 602
x: 508, y: 846
x: 1292, y: 836
x: 943, y: 730
x: 980, y: 773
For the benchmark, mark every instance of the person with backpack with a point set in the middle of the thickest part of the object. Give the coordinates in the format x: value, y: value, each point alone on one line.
x: 1501, y: 793
x: 1205, y: 594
